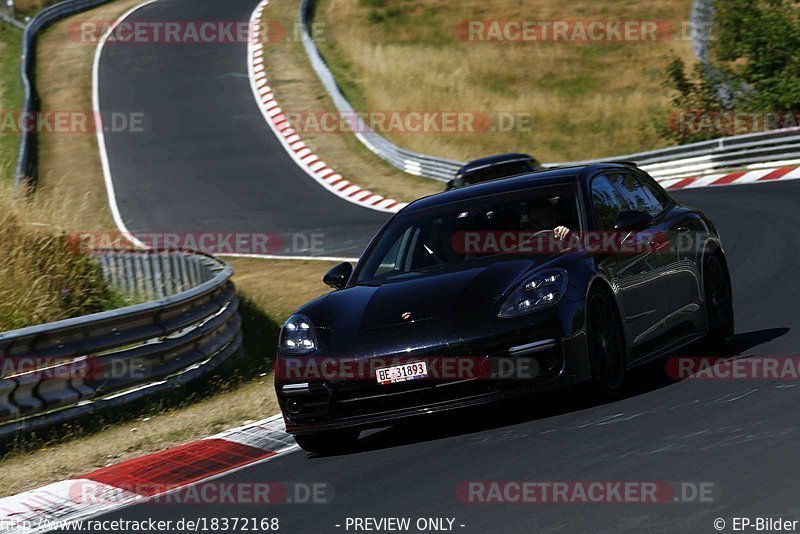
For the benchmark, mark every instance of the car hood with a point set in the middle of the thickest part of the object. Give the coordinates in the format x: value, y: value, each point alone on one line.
x: 431, y: 310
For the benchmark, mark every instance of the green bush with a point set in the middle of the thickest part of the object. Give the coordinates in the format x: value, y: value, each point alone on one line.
x: 756, y: 71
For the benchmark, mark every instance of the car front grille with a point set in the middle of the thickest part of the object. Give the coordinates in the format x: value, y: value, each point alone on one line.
x: 354, y: 398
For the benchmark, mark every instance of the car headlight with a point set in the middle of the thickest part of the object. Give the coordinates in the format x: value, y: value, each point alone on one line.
x: 297, y: 336
x: 539, y: 291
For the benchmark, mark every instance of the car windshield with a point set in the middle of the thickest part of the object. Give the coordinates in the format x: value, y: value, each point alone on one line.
x: 440, y: 238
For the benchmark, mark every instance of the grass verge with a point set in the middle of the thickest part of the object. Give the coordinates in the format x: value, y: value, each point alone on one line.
x: 29, y: 6
x: 585, y: 99
x: 44, y: 277
x: 10, y: 96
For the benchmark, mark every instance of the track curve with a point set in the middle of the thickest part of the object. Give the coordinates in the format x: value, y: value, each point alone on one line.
x: 740, y: 435
x: 205, y: 160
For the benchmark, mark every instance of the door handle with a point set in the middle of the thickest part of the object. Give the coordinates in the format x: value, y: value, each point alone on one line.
x: 659, y: 244
x: 659, y: 241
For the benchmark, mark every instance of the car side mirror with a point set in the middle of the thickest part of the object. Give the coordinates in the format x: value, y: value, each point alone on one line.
x: 338, y: 276
x: 632, y: 221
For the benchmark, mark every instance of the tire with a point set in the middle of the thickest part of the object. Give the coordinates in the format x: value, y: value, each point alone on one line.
x: 328, y: 442
x: 606, y: 345
x: 719, y: 302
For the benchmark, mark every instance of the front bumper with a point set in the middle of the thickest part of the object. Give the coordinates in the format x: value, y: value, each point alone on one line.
x: 312, y: 406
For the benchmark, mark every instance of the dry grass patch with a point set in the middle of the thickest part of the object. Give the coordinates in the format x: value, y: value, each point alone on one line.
x: 10, y: 95
x: 279, y: 287
x: 29, y: 6
x: 297, y: 89
x: 44, y: 276
x: 586, y: 99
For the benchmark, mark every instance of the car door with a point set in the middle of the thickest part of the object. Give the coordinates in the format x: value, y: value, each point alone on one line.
x: 688, y: 234
x: 638, y: 276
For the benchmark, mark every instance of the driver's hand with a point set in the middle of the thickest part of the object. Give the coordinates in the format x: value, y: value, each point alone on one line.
x: 561, y: 232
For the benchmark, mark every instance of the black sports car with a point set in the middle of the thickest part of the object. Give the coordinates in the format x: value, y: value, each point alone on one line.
x: 556, y: 277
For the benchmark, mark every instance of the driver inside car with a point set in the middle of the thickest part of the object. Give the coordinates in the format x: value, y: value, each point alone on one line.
x: 543, y: 215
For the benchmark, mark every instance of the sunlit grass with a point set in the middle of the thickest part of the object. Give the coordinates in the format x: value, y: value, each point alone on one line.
x: 585, y: 99
x: 44, y: 276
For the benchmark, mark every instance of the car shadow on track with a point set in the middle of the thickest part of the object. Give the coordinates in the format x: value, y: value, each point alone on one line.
x: 641, y: 380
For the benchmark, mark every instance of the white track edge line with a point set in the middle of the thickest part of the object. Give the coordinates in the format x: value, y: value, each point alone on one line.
x: 106, y: 165
x: 101, y: 138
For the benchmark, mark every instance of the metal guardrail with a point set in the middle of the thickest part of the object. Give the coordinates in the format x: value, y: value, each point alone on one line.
x: 779, y: 146
x: 705, y: 157
x: 56, y: 372
x: 26, y: 161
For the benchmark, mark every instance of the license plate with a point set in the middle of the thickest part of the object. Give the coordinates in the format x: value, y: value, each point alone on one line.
x: 401, y: 373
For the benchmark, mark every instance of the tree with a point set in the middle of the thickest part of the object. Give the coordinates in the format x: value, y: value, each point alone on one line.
x: 756, y: 58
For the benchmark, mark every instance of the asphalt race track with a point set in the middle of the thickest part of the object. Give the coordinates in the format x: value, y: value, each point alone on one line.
x: 213, y: 163
x: 205, y: 160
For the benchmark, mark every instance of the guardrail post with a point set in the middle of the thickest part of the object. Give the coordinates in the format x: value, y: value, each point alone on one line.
x: 8, y: 411
x: 54, y: 387
x: 24, y: 397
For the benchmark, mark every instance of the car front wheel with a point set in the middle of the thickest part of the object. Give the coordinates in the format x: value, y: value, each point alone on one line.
x: 719, y: 301
x: 607, y: 353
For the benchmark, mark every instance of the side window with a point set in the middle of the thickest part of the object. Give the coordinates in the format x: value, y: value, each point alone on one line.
x: 658, y: 194
x: 607, y: 202
x: 639, y: 195
x: 392, y: 261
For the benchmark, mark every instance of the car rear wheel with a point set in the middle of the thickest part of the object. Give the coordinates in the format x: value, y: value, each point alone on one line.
x: 328, y: 442
x: 719, y: 301
x: 607, y: 353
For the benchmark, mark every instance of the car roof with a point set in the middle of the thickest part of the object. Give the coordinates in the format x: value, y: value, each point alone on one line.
x: 522, y: 182
x: 493, y: 160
